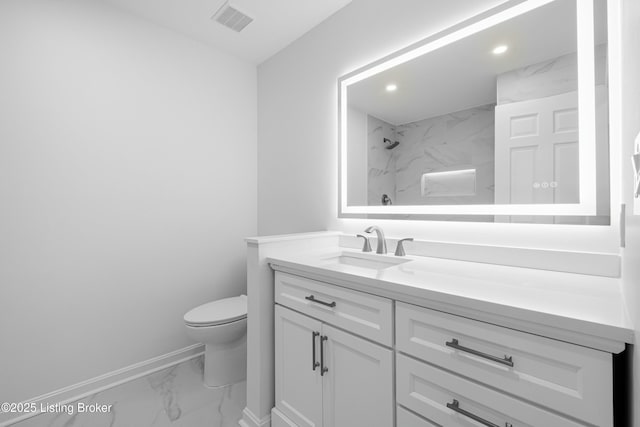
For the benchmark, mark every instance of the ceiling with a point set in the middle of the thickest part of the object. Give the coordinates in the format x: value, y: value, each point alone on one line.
x: 276, y: 23
x: 463, y: 74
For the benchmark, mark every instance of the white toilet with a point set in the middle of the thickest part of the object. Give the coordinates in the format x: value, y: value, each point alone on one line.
x: 222, y: 326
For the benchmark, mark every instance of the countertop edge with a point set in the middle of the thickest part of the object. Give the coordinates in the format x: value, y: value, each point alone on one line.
x: 605, y: 337
x: 261, y: 240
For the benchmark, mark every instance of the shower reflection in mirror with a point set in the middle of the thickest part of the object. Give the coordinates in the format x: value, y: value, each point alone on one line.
x: 492, y: 118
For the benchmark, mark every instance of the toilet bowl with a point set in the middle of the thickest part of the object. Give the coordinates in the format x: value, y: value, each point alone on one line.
x: 222, y: 327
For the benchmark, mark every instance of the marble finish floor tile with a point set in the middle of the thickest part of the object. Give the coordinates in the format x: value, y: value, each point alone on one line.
x: 172, y: 397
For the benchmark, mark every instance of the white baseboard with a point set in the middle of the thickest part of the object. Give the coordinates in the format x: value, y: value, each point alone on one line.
x: 280, y: 420
x: 95, y: 385
x: 250, y: 420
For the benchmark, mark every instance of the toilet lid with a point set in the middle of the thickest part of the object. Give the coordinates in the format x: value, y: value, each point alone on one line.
x: 218, y: 312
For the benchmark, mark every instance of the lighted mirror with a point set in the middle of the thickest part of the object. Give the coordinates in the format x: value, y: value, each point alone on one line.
x: 501, y: 118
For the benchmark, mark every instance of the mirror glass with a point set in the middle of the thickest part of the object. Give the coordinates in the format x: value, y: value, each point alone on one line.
x: 490, y: 119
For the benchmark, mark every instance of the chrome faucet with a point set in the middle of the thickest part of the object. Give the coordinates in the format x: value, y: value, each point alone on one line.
x: 366, y: 247
x: 382, y: 244
x: 400, y: 248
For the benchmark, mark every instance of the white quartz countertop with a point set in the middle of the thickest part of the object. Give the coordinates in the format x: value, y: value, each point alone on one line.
x: 587, y: 310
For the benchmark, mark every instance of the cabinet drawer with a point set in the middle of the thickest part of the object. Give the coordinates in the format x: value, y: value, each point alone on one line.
x: 570, y: 379
x: 449, y: 400
x: 363, y: 314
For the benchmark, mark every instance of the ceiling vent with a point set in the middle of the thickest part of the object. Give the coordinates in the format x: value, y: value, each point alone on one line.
x: 231, y: 17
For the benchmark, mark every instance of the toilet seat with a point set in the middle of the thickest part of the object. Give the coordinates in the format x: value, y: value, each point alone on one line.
x: 218, y: 312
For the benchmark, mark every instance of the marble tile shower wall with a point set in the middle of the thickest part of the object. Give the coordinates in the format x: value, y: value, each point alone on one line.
x: 172, y: 397
x: 434, y: 144
x: 452, y: 141
x: 381, y: 162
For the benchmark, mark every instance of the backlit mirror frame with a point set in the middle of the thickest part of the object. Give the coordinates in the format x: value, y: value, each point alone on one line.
x: 586, y: 116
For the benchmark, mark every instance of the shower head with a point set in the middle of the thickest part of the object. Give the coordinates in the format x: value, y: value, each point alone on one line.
x: 388, y: 144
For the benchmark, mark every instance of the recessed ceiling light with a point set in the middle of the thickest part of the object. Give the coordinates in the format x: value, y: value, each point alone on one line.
x: 391, y: 87
x: 499, y: 50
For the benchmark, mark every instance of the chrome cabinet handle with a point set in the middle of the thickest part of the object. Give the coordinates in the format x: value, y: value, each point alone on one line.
x: 314, y: 363
x: 323, y: 369
x: 507, y: 360
x: 455, y: 406
x: 313, y: 299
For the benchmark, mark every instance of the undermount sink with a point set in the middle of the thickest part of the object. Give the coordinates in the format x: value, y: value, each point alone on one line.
x: 369, y: 261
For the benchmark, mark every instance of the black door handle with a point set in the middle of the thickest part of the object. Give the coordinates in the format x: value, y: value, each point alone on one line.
x: 313, y: 299
x: 323, y: 368
x: 314, y: 364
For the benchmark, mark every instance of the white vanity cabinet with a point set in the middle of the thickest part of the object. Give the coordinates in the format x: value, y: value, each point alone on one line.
x: 349, y: 358
x: 324, y: 375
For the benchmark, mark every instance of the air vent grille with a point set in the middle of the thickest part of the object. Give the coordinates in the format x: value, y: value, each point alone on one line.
x: 231, y: 17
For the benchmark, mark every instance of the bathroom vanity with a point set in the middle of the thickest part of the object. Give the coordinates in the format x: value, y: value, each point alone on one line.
x: 523, y: 336
x: 363, y: 339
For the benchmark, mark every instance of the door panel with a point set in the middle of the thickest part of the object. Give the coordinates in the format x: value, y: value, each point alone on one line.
x: 298, y: 385
x: 537, y: 153
x: 358, y: 386
x: 522, y: 173
x: 566, y: 183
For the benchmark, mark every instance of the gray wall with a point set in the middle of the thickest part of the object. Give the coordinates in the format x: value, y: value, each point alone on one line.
x: 127, y: 184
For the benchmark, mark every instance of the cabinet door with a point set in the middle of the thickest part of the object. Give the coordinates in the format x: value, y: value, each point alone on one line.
x: 298, y: 381
x: 358, y: 383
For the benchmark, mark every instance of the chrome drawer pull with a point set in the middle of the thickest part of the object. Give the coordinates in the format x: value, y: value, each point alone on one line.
x: 507, y: 360
x: 313, y: 299
x: 455, y: 406
x: 323, y: 369
x: 314, y: 363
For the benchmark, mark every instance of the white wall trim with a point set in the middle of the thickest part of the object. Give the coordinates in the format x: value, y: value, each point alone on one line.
x: 103, y: 382
x: 250, y: 420
x: 280, y: 420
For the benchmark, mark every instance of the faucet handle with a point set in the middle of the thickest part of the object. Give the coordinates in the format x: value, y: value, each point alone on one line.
x: 367, y: 246
x: 400, y: 247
